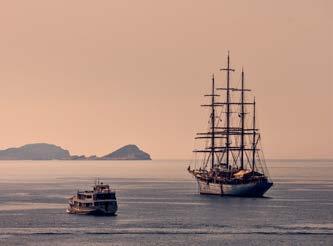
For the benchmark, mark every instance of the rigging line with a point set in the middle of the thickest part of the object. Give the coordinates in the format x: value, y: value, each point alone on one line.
x: 220, y: 117
x: 263, y: 159
x: 261, y: 166
x: 266, y: 172
x: 193, y: 162
x: 222, y: 155
x: 247, y: 157
x: 258, y: 139
x: 237, y: 156
x: 207, y: 161
x: 258, y: 165
x: 233, y: 157
x: 205, y: 156
x: 194, y: 154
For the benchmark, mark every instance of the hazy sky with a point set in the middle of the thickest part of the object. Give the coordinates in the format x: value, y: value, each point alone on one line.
x: 92, y: 76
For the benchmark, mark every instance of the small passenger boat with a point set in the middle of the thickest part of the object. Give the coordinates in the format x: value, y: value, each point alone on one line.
x: 99, y: 201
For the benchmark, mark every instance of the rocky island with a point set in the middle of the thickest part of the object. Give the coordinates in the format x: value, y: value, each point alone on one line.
x: 44, y: 151
x: 128, y: 152
x: 38, y: 151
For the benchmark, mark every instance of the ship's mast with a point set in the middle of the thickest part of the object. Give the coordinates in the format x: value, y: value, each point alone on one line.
x: 228, y: 69
x: 213, y: 124
x: 254, y: 135
x: 212, y: 133
x: 242, y: 122
x: 227, y: 131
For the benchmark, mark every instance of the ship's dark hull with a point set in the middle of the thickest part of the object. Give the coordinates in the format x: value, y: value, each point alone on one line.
x: 111, y: 211
x: 98, y: 212
x: 251, y: 189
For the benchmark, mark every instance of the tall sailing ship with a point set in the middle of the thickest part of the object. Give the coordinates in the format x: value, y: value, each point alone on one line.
x: 232, y: 162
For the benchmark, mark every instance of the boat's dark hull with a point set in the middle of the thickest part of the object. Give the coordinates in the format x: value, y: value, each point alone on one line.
x: 251, y: 189
x: 93, y: 211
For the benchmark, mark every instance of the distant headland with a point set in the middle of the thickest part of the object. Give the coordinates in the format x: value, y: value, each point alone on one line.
x: 44, y: 151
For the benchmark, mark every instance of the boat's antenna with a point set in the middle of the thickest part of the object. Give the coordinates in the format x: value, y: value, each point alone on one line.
x: 228, y: 69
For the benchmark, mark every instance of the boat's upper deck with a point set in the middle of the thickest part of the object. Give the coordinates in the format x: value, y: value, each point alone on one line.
x: 100, y: 192
x: 102, y: 188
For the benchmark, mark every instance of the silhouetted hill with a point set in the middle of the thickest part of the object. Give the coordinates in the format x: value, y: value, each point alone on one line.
x: 38, y: 151
x: 44, y: 151
x: 128, y: 152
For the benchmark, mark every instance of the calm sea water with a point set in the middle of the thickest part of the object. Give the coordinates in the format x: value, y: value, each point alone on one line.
x: 159, y: 205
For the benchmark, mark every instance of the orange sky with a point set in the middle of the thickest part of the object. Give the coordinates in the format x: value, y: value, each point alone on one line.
x: 92, y: 76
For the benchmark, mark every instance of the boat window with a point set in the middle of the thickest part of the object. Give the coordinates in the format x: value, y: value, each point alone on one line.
x: 105, y: 196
